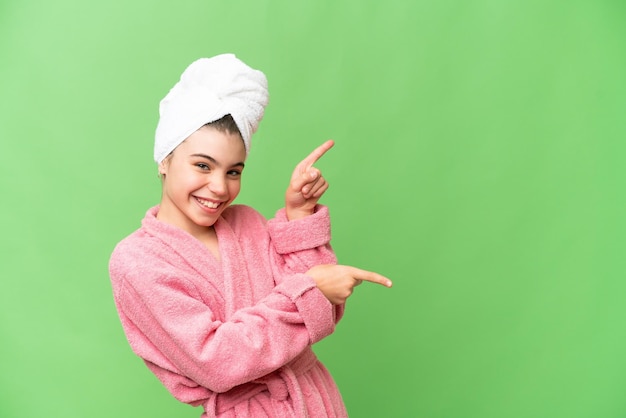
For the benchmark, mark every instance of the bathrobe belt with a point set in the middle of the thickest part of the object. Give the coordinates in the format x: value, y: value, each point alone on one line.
x: 280, y: 384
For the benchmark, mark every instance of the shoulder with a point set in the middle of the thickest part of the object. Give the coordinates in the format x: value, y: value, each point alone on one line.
x: 142, y: 264
x: 139, y: 240
x: 136, y: 253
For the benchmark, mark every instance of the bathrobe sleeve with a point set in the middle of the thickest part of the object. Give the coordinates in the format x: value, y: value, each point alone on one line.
x: 175, y: 330
x: 303, y: 243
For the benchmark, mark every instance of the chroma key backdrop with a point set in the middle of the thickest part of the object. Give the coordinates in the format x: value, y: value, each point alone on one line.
x: 480, y: 163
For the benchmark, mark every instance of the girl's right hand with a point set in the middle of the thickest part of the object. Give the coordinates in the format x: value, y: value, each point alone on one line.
x: 307, y: 185
x: 337, y: 282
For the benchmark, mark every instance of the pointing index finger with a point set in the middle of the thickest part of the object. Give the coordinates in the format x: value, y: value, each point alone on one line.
x: 370, y: 276
x: 316, y: 154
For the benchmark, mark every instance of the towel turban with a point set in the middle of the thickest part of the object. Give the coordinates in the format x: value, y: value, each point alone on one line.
x: 209, y: 89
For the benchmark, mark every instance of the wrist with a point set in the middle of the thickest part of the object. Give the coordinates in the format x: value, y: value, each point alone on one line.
x: 295, y: 214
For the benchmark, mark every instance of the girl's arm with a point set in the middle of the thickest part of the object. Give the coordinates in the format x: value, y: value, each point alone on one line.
x: 300, y: 232
x: 303, y: 243
x: 171, y: 325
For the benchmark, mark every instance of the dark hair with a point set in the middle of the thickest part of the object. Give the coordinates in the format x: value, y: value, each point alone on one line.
x: 225, y: 124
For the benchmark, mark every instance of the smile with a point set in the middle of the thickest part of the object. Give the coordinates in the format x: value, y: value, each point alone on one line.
x: 208, y: 203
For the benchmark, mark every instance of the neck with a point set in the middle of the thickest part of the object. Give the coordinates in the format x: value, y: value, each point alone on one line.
x: 204, y: 234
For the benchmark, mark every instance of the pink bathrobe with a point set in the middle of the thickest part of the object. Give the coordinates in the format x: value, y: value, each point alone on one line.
x: 233, y: 336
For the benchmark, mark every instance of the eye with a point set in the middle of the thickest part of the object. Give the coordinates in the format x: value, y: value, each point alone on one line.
x: 234, y: 173
x: 203, y: 166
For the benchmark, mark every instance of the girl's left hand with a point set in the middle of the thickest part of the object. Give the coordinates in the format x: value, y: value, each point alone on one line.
x: 307, y: 185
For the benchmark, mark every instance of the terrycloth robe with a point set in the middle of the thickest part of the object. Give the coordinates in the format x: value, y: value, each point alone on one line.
x: 233, y: 336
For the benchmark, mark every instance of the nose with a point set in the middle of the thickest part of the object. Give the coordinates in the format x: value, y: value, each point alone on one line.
x: 217, y: 185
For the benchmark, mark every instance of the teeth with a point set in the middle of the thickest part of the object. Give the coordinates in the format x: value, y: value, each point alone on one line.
x: 212, y: 205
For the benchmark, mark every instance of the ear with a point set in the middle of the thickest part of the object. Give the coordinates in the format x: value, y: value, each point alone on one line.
x: 163, y: 165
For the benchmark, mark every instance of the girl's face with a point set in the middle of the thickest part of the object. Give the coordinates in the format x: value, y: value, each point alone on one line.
x: 201, y: 178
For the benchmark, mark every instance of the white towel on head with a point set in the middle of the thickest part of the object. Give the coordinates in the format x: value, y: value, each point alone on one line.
x: 209, y: 89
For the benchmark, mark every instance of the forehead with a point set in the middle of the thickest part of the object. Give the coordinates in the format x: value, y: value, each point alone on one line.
x: 208, y: 140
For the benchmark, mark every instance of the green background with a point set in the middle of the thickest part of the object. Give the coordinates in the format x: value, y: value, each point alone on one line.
x: 480, y: 164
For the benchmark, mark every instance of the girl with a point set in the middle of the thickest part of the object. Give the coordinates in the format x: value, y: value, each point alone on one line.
x: 221, y: 304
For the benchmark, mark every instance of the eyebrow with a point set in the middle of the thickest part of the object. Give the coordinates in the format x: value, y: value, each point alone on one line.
x: 214, y: 161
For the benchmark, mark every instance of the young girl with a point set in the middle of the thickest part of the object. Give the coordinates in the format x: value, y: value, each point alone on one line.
x: 221, y: 304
